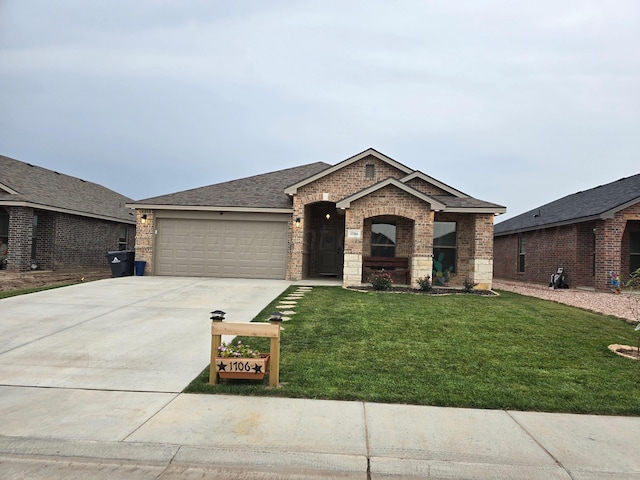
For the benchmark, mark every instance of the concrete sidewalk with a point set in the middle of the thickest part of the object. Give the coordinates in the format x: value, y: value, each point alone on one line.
x: 90, y: 377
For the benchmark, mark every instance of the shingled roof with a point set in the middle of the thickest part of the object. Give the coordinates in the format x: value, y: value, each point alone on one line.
x: 23, y: 184
x: 597, y: 203
x: 258, y: 192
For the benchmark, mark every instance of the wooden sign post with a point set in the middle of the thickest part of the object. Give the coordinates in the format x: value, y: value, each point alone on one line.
x: 271, y: 330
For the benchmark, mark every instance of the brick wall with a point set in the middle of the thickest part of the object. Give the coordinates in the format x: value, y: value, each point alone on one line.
x: 63, y: 241
x: 413, y: 219
x: 599, y: 246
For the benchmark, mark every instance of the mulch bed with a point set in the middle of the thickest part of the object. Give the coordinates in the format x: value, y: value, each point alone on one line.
x: 433, y: 291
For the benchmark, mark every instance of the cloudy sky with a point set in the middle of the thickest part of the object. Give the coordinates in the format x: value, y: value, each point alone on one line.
x: 518, y: 103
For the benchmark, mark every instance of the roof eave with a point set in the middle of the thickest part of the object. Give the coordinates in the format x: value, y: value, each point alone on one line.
x: 49, y: 208
x: 433, y: 181
x: 207, y: 208
x: 493, y: 210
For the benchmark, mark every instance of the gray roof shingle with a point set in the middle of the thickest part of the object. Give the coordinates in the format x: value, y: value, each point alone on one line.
x: 259, y: 191
x: 48, y: 190
x: 577, y: 207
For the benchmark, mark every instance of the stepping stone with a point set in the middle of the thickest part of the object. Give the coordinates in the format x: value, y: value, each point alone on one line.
x: 288, y: 312
x: 286, y: 319
x: 283, y: 307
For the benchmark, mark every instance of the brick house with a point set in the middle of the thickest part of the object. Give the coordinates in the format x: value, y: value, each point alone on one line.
x: 590, y: 234
x: 59, y: 222
x: 364, y: 213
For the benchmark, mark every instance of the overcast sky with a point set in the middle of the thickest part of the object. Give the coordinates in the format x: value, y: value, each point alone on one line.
x: 517, y: 103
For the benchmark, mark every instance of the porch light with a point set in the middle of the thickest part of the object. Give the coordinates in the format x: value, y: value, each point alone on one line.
x: 143, y: 219
x: 328, y: 215
x: 275, y: 317
x: 217, y: 315
x: 298, y: 222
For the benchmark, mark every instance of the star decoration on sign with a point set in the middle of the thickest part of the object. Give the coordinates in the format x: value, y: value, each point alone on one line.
x: 257, y: 368
x: 222, y: 367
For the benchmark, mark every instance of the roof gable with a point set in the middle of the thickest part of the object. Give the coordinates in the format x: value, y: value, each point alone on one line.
x: 23, y: 184
x: 596, y: 203
x: 293, y: 189
x: 346, y: 202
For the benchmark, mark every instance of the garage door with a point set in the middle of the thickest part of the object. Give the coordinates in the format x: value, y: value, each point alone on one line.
x: 221, y: 248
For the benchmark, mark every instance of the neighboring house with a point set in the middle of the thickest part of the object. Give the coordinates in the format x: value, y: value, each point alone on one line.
x: 366, y: 212
x: 590, y: 234
x: 54, y: 221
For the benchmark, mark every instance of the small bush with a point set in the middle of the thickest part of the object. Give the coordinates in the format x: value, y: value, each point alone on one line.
x: 424, y: 283
x: 381, y: 280
x: 469, y: 285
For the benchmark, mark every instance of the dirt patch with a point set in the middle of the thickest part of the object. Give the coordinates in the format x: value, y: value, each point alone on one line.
x: 625, y: 351
x: 10, y: 281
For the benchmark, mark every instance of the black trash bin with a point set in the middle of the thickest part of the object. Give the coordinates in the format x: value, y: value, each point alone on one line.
x: 121, y: 262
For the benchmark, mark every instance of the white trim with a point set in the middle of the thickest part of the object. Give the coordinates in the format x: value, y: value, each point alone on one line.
x: 208, y: 208
x: 8, y: 189
x: 497, y: 210
x: 293, y: 189
x: 433, y: 181
x: 49, y: 208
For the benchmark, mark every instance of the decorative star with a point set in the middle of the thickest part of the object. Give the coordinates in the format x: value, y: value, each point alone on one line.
x: 222, y: 367
x: 257, y: 368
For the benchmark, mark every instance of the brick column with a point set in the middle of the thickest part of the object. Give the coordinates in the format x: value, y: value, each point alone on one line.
x: 352, y: 270
x: 296, y: 241
x: 422, y: 255
x: 481, y: 261
x: 608, y: 250
x: 145, y: 238
x: 20, y: 236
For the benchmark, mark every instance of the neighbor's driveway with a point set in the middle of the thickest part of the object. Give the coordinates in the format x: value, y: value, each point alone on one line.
x: 143, y: 334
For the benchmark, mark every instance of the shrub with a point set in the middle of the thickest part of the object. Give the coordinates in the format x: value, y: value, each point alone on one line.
x: 469, y: 285
x: 381, y: 280
x: 424, y: 283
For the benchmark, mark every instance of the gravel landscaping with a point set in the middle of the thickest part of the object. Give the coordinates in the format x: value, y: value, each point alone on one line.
x: 617, y: 305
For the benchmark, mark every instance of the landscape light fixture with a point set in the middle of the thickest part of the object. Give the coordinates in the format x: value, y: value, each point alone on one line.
x: 275, y: 317
x: 217, y: 315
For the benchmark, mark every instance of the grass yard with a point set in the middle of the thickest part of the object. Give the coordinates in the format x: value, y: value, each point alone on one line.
x: 507, y: 352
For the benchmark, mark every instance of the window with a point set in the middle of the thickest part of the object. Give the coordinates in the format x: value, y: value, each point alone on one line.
x: 383, y: 240
x: 521, y: 253
x: 34, y: 237
x: 124, y: 235
x: 370, y: 171
x: 634, y: 261
x: 444, y: 247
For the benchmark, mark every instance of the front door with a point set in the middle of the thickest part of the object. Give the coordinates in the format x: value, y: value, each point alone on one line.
x: 329, y: 253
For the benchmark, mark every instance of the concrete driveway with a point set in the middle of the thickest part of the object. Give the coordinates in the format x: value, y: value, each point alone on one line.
x: 143, y: 334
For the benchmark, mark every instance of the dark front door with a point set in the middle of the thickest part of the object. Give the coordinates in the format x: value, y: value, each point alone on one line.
x: 329, y: 253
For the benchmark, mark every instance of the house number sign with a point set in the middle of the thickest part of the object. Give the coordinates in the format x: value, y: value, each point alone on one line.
x: 231, y: 365
x: 353, y: 233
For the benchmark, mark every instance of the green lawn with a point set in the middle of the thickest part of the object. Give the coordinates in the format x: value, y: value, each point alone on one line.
x: 24, y: 291
x: 506, y: 352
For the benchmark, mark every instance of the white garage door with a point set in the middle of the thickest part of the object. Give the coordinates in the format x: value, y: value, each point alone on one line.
x: 221, y: 248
